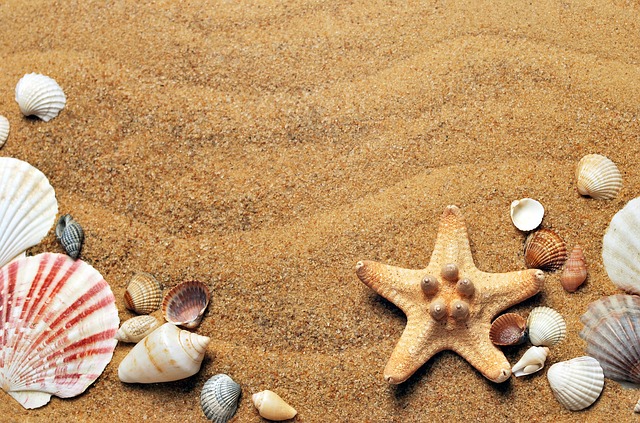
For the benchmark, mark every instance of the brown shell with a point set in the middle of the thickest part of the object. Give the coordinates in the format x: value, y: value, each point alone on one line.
x: 144, y: 293
x: 185, y: 304
x: 544, y: 249
x: 575, y: 270
x: 508, y: 329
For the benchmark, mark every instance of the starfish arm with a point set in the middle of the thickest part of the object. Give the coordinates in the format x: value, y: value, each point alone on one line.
x: 484, y: 356
x: 452, y: 242
x: 506, y: 289
x: 396, y: 284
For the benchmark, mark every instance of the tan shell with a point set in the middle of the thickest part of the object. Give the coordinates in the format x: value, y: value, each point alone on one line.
x: 136, y: 328
x: 544, y: 249
x: 185, y: 303
x: 508, y: 329
x: 575, y: 270
x: 272, y: 407
x: 598, y: 177
x: 144, y: 293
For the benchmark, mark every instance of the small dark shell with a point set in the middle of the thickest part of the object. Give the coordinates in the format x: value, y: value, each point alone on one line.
x: 508, y: 329
x: 184, y: 304
x: 70, y: 234
x: 544, y: 249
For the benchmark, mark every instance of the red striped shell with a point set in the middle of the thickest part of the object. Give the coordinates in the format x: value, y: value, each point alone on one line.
x: 185, y: 304
x: 544, y: 249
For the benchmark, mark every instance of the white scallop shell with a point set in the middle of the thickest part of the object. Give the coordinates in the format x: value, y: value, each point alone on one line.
x: 58, y: 320
x: 598, y: 177
x: 546, y: 326
x: 28, y: 207
x: 621, y: 248
x: 4, y: 130
x: 219, y: 398
x: 136, y: 328
x: 272, y: 407
x: 39, y: 95
x: 532, y: 361
x: 526, y: 214
x: 576, y: 383
x: 167, y: 354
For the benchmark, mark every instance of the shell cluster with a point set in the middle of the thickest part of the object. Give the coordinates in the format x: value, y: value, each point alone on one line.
x: 545, y: 249
x: 219, y: 398
x: 526, y: 214
x: 576, y: 383
x: 39, y: 95
x: 621, y: 250
x: 70, y: 234
x: 185, y: 304
x: 143, y: 294
x: 598, y: 177
x: 4, y: 130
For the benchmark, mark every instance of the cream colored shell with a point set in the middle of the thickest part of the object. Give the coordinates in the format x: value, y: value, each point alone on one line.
x: 546, y: 327
x: 526, y: 214
x: 272, y: 407
x: 136, y: 328
x: 576, y: 383
x: 598, y: 177
x: 531, y: 362
x: 621, y: 250
x: 39, y: 95
x: 4, y: 130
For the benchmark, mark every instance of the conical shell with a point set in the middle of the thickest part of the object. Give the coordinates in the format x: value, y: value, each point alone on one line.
x: 544, y: 249
x: 576, y: 383
x: 185, y: 304
x: 272, y: 407
x: 526, y: 214
x: 39, y: 95
x: 621, y: 249
x: 28, y: 207
x: 70, y: 235
x: 598, y: 177
x: 165, y: 355
x: 136, y: 328
x: 612, y: 332
x: 58, y: 320
x: 143, y: 294
x: 4, y: 130
x: 508, y: 329
x: 546, y: 327
x: 219, y: 398
x: 532, y: 361
x: 574, y: 272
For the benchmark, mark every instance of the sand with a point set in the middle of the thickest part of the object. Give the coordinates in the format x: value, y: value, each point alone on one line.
x: 265, y: 147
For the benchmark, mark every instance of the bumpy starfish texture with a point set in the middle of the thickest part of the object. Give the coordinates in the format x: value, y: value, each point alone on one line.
x: 450, y: 304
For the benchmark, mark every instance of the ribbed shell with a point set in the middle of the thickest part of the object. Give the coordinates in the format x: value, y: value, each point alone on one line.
x: 576, y: 383
x: 39, y: 95
x: 4, y: 130
x: 185, y: 304
x: 598, y: 177
x: 143, y: 294
x: 532, y: 361
x: 544, y: 249
x: 612, y: 332
x: 219, y: 398
x: 58, y: 320
x: 136, y: 328
x: 70, y: 235
x: 508, y: 329
x: 621, y: 248
x: 526, y: 214
x: 574, y: 272
x: 546, y: 327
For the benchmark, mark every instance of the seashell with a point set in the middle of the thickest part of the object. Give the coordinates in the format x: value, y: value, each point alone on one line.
x: 546, y: 327
x: 598, y: 177
x: 544, y: 249
x: 143, y: 294
x: 576, y: 383
x: 185, y: 304
x: 532, y: 361
x: 620, y: 248
x: 166, y: 354
x: 219, y: 398
x: 508, y: 329
x: 28, y: 207
x: 575, y: 270
x: 4, y: 130
x: 136, y: 328
x: 272, y: 407
x: 636, y: 409
x: 612, y: 332
x: 58, y: 319
x: 526, y: 214
x: 39, y: 95
x: 70, y: 235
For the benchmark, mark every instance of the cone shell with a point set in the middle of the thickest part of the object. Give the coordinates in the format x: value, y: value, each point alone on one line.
x: 546, y: 327
x: 4, y: 130
x: 272, y: 407
x: 576, y: 383
x: 531, y: 362
x: 526, y: 214
x: 544, y: 249
x: 621, y: 250
x: 219, y: 398
x: 508, y: 329
x: 185, y: 304
x: 574, y: 272
x: 39, y: 95
x: 136, y: 328
x: 598, y: 177
x: 143, y: 294
x: 58, y: 320
x: 70, y: 234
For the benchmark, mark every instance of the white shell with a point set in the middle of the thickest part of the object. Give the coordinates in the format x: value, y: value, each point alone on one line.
x: 28, y: 207
x: 167, y: 354
x: 4, y: 130
x: 598, y: 177
x: 219, y: 398
x: 532, y: 361
x: 546, y: 326
x: 136, y: 328
x: 58, y: 318
x: 272, y: 407
x: 621, y: 248
x: 636, y: 409
x: 526, y: 214
x: 39, y: 95
x: 576, y: 383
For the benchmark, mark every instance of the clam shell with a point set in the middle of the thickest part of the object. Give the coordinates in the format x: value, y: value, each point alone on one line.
x: 70, y: 234
x: 4, y: 130
x: 165, y: 355
x: 526, y: 214
x: 576, y: 383
x: 272, y: 407
x: 546, y: 327
x: 508, y: 329
x: 598, y: 177
x: 532, y: 361
x: 39, y: 95
x: 185, y: 303
x: 544, y: 249
x: 621, y: 249
x: 574, y: 272
x: 143, y: 294
x: 136, y: 328
x: 219, y: 398
x: 58, y: 318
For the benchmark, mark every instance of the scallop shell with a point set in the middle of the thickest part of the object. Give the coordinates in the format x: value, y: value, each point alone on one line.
x: 544, y: 249
x: 219, y: 398
x: 612, y: 332
x: 58, y: 320
x: 167, y: 354
x: 144, y: 293
x: 39, y: 95
x: 508, y: 329
x: 598, y: 177
x: 4, y: 130
x: 574, y: 272
x: 70, y: 235
x: 526, y: 214
x: 136, y: 328
x: 621, y: 249
x: 185, y: 304
x: 532, y: 361
x: 546, y: 327
x: 576, y: 383
x: 272, y: 407
x: 28, y: 207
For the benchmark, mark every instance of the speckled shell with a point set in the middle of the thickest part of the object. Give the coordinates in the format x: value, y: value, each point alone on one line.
x: 219, y: 398
x: 574, y: 272
x: 532, y: 361
x: 544, y: 249
x: 185, y: 304
x: 144, y: 293
x: 508, y: 329
x: 576, y: 383
x: 598, y: 177
x: 272, y: 407
x: 4, y: 130
x: 136, y: 328
x: 70, y: 234
x: 39, y: 95
x: 546, y: 327
x: 526, y: 214
x: 621, y: 249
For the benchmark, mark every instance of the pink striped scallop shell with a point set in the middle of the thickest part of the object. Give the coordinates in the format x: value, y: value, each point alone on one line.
x: 185, y: 303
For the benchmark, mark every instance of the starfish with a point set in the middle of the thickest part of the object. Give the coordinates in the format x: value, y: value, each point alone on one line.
x: 450, y: 304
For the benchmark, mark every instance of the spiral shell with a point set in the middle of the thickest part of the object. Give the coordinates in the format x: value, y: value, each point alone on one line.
x: 39, y: 95
x: 70, y: 235
x: 531, y: 362
x: 544, y: 249
x: 546, y: 327
x: 574, y: 272
x: 576, y: 383
x: 598, y: 177
x: 136, y: 328
x: 508, y: 329
x: 526, y: 214
x: 272, y: 407
x: 144, y: 293
x: 219, y: 398
x: 620, y: 248
x: 4, y: 130
x: 185, y: 304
